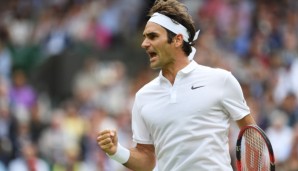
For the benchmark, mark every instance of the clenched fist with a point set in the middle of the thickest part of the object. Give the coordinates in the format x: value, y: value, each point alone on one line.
x: 107, y: 140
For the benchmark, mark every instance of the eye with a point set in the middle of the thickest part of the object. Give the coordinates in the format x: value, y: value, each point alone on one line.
x: 152, y: 36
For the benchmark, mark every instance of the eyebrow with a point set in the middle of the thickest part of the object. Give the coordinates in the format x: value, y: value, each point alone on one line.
x: 150, y: 34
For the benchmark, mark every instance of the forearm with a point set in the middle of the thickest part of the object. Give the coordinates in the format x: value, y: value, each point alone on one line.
x: 141, y: 159
x: 247, y: 120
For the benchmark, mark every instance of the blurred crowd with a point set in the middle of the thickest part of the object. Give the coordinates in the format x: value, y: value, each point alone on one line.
x: 69, y: 68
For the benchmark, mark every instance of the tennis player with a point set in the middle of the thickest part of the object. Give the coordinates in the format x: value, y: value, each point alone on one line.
x: 181, y: 118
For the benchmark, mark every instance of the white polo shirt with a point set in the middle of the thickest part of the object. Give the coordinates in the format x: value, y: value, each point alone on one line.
x: 188, y: 121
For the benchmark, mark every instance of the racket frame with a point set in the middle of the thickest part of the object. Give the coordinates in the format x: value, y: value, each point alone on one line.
x: 267, y: 141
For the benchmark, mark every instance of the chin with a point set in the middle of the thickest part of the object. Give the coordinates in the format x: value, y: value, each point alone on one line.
x: 154, y: 66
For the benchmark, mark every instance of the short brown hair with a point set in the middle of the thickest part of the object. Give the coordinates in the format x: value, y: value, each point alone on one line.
x: 178, y: 12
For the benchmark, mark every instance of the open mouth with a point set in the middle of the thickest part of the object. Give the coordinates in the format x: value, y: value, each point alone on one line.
x: 152, y: 54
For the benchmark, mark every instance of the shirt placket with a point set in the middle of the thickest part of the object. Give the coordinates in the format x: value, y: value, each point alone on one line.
x: 174, y: 88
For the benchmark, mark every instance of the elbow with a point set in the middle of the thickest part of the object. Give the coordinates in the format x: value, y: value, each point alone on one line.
x: 247, y: 120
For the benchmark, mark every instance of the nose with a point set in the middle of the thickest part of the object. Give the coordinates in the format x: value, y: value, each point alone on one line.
x: 145, y: 44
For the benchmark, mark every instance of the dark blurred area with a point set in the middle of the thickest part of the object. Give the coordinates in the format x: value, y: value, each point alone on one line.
x: 69, y: 68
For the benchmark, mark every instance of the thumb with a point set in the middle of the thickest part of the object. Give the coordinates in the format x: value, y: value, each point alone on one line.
x: 114, y: 136
x: 112, y: 133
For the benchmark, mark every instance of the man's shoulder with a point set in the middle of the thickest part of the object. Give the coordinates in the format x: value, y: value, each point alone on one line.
x: 149, y: 86
x: 213, y: 71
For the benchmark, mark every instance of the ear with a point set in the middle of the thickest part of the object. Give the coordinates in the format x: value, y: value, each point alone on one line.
x: 178, y: 40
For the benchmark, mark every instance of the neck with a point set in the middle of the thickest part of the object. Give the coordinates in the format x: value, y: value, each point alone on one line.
x: 170, y: 71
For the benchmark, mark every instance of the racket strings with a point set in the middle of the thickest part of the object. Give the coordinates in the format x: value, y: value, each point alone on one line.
x: 254, y: 156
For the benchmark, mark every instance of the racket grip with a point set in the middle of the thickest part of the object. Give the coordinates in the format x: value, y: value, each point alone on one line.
x: 239, y: 167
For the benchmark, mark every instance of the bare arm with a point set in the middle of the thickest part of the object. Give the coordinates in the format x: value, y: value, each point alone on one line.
x: 247, y: 120
x: 141, y: 158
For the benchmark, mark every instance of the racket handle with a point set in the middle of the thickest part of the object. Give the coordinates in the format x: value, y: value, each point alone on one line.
x: 238, y: 163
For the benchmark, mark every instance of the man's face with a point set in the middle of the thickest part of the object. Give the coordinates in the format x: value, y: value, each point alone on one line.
x: 156, y: 45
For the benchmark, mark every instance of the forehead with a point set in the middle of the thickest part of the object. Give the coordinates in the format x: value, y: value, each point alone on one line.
x: 153, y: 28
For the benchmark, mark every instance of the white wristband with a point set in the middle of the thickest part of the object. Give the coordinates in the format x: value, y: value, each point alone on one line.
x: 122, y: 154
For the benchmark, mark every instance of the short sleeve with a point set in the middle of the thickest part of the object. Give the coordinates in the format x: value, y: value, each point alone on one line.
x: 140, y: 132
x: 233, y: 99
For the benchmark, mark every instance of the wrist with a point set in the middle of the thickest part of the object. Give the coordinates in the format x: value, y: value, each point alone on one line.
x: 122, y: 154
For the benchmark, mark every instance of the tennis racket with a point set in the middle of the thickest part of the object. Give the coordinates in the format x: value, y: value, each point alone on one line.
x: 253, y: 150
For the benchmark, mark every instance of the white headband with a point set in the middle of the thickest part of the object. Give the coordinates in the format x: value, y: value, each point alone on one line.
x: 175, y: 27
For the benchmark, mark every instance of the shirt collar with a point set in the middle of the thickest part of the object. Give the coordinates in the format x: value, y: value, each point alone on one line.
x: 187, y: 69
